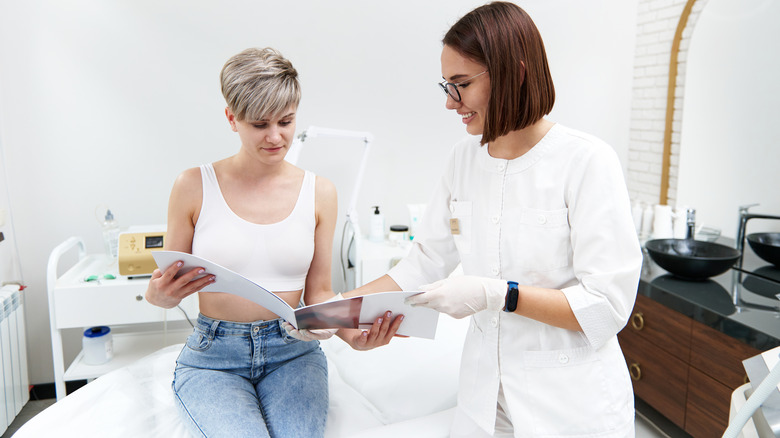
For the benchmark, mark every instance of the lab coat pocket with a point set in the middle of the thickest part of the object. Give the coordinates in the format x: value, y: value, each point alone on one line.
x: 543, y: 241
x: 570, y: 392
x: 460, y: 225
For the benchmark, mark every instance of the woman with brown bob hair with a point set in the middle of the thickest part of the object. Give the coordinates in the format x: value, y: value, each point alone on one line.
x: 538, y: 216
x: 521, y: 86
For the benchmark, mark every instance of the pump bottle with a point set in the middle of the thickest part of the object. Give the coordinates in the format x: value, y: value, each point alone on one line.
x: 377, y: 229
x: 111, y: 234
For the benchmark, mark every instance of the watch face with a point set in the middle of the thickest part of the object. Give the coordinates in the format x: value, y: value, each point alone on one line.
x: 511, y: 298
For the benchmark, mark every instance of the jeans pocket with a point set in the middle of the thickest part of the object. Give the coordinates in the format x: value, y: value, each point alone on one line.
x: 198, y: 341
x: 286, y: 336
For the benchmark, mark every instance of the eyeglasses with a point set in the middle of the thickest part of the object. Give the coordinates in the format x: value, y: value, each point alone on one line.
x: 451, y: 89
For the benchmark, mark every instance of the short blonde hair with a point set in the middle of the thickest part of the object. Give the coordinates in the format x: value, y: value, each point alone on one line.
x: 259, y: 83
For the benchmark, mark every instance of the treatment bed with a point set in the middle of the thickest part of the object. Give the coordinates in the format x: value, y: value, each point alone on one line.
x: 407, y: 388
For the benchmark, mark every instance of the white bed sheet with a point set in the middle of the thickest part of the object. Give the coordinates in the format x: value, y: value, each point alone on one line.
x: 407, y: 388
x: 135, y: 400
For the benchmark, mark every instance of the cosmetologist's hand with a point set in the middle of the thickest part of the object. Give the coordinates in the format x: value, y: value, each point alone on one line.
x: 308, y: 335
x: 461, y: 296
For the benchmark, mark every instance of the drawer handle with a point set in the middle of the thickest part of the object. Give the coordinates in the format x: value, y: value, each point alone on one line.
x: 638, y: 321
x: 635, y: 371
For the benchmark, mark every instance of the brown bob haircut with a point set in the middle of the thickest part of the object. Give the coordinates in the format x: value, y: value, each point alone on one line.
x: 502, y: 37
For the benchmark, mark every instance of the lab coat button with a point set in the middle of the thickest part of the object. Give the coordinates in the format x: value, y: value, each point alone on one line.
x: 541, y: 219
x: 562, y: 358
x: 494, y: 271
x: 495, y: 219
x: 500, y: 166
x: 494, y: 322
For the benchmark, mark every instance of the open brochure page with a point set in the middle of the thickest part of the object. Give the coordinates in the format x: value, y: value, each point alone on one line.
x: 227, y: 281
x: 356, y: 312
x: 361, y: 312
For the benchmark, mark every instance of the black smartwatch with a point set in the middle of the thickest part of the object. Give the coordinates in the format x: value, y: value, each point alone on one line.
x: 510, y: 301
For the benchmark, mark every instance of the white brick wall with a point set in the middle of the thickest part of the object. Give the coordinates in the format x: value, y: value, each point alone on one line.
x: 656, y: 25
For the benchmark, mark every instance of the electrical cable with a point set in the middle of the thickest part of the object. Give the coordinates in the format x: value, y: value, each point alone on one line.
x: 187, y: 317
x: 341, y: 253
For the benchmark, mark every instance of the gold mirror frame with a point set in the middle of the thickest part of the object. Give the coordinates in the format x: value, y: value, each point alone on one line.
x: 670, y: 97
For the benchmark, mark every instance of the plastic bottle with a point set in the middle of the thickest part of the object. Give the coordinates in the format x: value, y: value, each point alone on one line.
x: 377, y: 229
x: 111, y: 234
x: 98, y: 345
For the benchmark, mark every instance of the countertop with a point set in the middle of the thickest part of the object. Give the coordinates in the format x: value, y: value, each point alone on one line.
x: 711, y: 302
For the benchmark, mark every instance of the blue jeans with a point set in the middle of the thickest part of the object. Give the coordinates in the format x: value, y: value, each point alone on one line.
x: 251, y: 380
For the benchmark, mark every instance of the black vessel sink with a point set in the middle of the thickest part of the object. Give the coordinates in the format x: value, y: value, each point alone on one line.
x: 692, y: 259
x: 766, y: 246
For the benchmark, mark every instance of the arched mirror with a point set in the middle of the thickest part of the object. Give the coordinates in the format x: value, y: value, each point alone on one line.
x: 730, y: 140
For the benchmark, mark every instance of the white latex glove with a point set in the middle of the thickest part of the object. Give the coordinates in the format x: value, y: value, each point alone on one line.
x: 311, y: 335
x: 308, y: 335
x: 461, y: 296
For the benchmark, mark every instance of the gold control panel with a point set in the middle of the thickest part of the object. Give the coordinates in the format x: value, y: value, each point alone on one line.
x: 135, y: 252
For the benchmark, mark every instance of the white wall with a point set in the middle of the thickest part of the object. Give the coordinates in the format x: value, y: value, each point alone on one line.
x: 10, y: 269
x: 729, y: 142
x: 104, y: 103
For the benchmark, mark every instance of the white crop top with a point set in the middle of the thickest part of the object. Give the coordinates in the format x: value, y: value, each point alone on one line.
x: 275, y: 256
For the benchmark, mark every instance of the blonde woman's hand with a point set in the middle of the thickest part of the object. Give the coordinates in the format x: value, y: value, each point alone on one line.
x: 381, y: 333
x: 167, y: 289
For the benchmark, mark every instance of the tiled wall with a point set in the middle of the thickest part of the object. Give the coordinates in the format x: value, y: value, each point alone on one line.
x: 657, y: 22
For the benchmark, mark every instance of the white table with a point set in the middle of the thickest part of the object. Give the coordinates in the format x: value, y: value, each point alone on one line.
x: 76, y: 303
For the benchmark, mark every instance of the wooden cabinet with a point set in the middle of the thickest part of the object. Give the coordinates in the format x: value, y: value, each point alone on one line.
x: 658, y: 377
x: 657, y: 343
x: 707, y: 409
x: 683, y: 368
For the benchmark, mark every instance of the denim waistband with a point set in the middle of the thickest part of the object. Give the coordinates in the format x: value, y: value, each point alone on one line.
x: 217, y: 326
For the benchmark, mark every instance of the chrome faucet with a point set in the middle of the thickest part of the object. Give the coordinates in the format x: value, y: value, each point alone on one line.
x: 690, y: 223
x: 744, y: 216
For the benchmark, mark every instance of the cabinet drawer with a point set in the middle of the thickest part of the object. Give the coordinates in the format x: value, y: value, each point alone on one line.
x: 708, y: 406
x: 662, y: 326
x: 86, y: 307
x: 719, y: 356
x: 659, y: 378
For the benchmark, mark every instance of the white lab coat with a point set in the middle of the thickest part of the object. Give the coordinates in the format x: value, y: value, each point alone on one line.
x: 557, y: 217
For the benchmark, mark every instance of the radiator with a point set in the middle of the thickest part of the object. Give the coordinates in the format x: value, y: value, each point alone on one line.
x: 13, y: 350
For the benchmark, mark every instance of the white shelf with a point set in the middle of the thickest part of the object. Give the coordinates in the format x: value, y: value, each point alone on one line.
x: 128, y: 347
x: 119, y: 301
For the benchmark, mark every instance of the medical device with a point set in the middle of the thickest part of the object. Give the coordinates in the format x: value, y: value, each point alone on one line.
x: 351, y: 229
x: 135, y: 249
x: 763, y: 371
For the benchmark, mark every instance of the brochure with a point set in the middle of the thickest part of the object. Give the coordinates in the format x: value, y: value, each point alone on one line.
x: 356, y: 312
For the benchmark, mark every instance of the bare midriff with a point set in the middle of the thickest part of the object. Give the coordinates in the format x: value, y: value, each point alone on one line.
x: 230, y: 307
